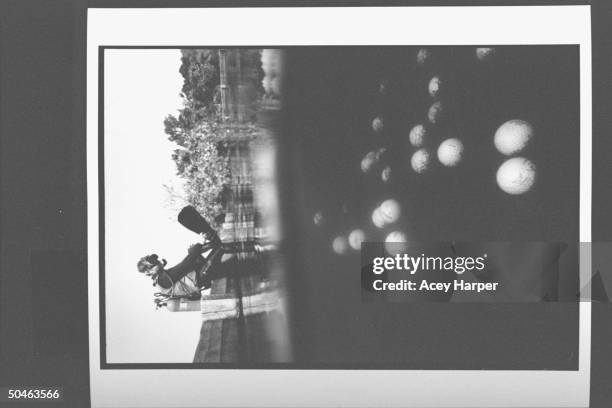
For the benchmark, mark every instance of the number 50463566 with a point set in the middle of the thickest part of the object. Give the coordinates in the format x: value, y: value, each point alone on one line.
x: 30, y: 393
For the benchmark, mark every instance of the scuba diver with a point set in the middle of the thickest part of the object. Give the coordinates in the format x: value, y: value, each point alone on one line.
x: 196, y: 271
x: 187, y: 278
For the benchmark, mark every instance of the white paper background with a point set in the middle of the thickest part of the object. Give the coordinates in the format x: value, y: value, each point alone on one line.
x: 337, y: 26
x: 141, y: 88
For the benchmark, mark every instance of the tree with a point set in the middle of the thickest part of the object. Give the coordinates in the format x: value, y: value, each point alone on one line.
x: 200, y: 71
x: 202, y: 158
x: 205, y: 167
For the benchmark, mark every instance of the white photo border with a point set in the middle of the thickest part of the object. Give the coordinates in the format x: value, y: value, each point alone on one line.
x: 491, y: 25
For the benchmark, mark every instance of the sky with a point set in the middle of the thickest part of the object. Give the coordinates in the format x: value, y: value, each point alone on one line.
x: 141, y: 88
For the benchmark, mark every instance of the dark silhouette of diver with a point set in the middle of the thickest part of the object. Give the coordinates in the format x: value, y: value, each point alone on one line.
x: 193, y: 273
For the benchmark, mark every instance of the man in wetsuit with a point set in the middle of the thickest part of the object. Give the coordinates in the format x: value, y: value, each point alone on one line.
x: 189, y: 276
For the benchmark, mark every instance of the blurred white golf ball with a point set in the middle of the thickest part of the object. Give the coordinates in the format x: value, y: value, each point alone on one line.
x: 435, y: 112
x: 368, y: 162
x: 422, y: 56
x: 434, y: 86
x: 355, y: 238
x: 513, y: 136
x: 377, y: 218
x: 340, y: 245
x: 484, y: 54
x: 396, y: 242
x: 417, y: 135
x: 371, y: 159
x: 516, y: 175
x: 378, y: 124
x: 318, y: 218
x: 420, y: 161
x: 390, y: 210
x: 450, y: 152
x: 386, y: 174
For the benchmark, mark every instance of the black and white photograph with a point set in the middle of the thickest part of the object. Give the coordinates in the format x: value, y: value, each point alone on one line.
x: 386, y: 144
x: 255, y: 199
x: 191, y: 206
